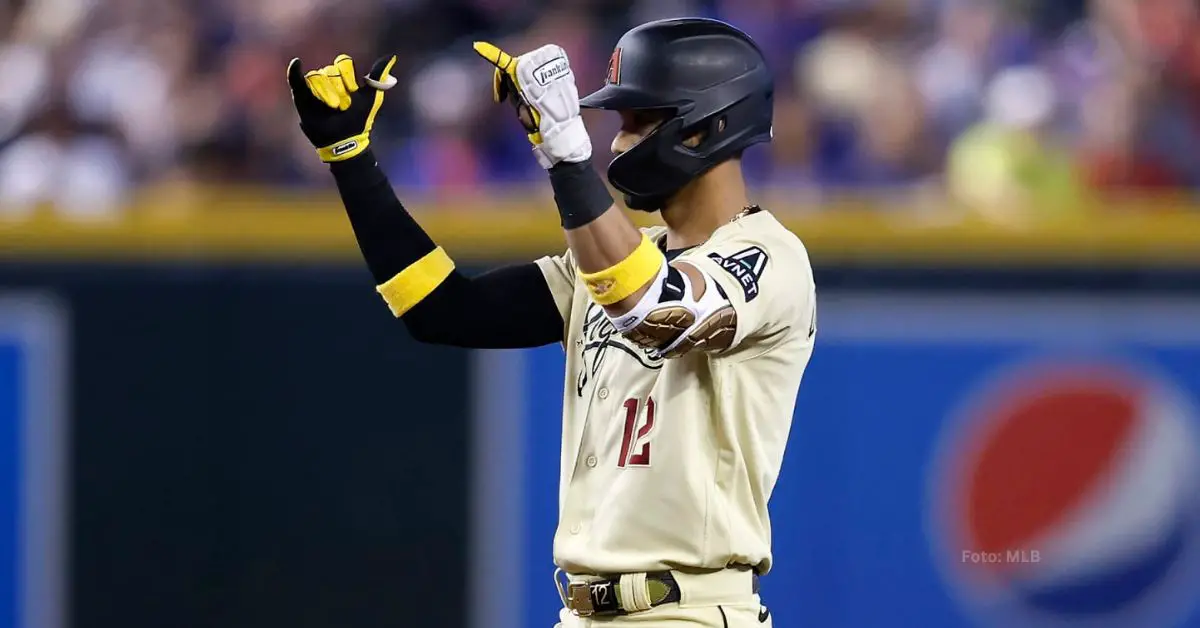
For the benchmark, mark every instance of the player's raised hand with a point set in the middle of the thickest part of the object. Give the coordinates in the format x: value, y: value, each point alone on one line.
x: 337, y: 108
x: 541, y: 86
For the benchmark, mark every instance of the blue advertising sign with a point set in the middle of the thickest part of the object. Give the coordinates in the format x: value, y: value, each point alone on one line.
x: 32, y: 462
x: 954, y: 461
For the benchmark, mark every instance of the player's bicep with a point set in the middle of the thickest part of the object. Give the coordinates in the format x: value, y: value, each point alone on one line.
x: 559, y: 273
x: 506, y: 308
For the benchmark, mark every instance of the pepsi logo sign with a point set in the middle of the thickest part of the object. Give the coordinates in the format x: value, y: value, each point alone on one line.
x: 1068, y: 494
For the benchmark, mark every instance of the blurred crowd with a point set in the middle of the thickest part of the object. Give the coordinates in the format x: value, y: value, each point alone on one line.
x: 994, y: 101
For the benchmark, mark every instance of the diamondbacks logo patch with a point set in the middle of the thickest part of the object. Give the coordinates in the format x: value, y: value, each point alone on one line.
x: 746, y: 266
x: 614, y: 68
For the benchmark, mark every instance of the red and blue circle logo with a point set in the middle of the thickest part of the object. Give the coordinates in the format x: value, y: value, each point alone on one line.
x: 1067, y: 494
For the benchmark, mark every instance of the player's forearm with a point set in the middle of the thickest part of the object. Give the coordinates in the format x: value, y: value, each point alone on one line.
x: 508, y: 308
x: 390, y: 239
x: 405, y: 262
x: 604, y: 241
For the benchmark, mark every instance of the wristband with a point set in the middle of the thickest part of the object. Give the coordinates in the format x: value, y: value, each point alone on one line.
x: 579, y: 193
x: 627, y: 276
x: 411, y: 285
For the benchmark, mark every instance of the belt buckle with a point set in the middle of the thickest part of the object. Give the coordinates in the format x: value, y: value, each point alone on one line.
x: 579, y: 599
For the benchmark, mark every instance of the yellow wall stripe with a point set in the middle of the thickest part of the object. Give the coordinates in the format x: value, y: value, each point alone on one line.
x: 256, y: 226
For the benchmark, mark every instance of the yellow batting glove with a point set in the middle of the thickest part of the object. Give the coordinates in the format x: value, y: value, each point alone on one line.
x: 336, y: 111
x: 541, y: 85
x: 507, y: 86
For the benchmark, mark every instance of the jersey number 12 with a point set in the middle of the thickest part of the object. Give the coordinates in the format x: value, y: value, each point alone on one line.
x: 635, y: 448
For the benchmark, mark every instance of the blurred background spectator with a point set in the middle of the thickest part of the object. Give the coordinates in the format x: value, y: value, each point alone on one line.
x: 999, y: 102
x: 207, y: 417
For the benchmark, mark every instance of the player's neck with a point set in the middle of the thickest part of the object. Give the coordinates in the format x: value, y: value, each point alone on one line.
x: 705, y: 205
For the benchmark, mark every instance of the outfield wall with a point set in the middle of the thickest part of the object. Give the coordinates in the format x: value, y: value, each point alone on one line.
x: 241, y: 436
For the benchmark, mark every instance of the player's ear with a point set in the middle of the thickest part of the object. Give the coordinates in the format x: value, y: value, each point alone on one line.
x: 700, y: 135
x: 695, y: 139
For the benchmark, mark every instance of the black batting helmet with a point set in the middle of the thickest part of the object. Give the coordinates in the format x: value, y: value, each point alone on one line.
x: 710, y: 77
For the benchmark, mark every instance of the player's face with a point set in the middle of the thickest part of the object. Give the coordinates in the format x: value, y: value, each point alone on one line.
x: 635, y: 126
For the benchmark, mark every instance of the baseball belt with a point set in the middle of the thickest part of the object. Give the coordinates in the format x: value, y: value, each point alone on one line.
x: 605, y: 596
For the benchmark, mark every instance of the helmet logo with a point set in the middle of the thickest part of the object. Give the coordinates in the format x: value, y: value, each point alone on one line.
x: 614, y: 67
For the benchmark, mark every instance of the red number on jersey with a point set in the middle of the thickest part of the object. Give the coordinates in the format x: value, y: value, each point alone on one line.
x: 630, y: 441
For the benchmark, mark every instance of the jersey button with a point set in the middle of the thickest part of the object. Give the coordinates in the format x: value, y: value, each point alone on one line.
x: 591, y: 461
x: 575, y: 529
x: 603, y: 393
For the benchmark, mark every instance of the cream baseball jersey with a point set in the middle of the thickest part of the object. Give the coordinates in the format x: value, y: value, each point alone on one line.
x: 668, y: 464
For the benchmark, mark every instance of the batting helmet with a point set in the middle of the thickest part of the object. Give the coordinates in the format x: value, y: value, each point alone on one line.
x: 710, y: 78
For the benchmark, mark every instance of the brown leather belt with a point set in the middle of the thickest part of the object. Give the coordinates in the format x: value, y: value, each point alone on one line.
x: 602, y: 597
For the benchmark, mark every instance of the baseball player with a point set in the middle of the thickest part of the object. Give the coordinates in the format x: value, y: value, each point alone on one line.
x: 685, y: 343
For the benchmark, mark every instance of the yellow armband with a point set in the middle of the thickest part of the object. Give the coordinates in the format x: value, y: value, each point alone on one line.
x: 411, y: 285
x: 617, y: 283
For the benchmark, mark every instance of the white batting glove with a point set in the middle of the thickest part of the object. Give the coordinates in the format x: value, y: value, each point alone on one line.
x: 541, y: 86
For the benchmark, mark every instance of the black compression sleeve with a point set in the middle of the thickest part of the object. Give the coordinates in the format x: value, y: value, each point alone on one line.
x: 507, y: 308
x: 389, y: 238
x: 579, y: 193
x: 510, y: 307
